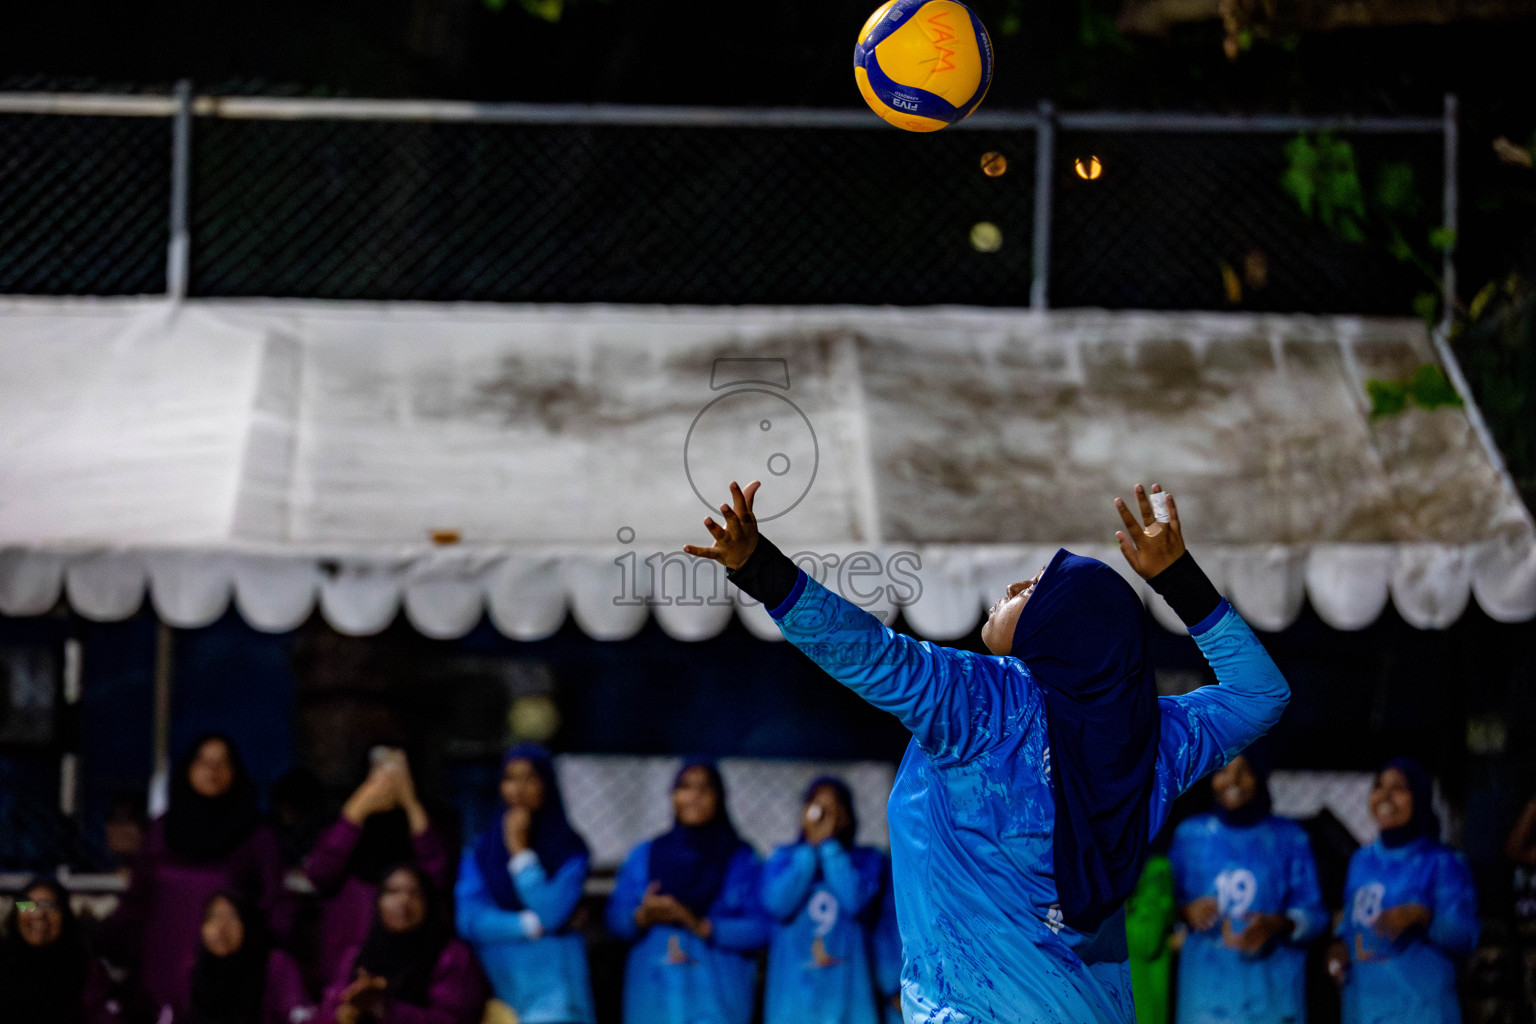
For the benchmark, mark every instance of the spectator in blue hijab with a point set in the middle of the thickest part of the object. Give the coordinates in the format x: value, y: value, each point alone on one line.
x: 688, y: 901
x: 1038, y: 774
x: 819, y: 890
x: 519, y: 885
x: 1410, y: 913
x: 1246, y: 885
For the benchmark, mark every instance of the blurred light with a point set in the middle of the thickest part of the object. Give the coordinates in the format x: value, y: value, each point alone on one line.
x: 994, y: 165
x: 986, y: 237
x: 534, y: 718
x: 1089, y: 171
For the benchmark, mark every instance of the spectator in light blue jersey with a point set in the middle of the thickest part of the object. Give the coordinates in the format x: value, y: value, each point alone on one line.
x: 1037, y: 775
x: 819, y: 892
x: 689, y: 902
x: 885, y: 951
x: 1246, y: 885
x: 1410, y: 913
x: 519, y: 886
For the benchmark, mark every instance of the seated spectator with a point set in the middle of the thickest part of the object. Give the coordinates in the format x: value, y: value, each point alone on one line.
x: 410, y: 969
x: 819, y: 890
x: 209, y: 840
x: 382, y: 825
x: 689, y: 902
x: 519, y: 886
x: 1409, y: 911
x: 42, y: 958
x: 238, y: 977
x: 1246, y: 885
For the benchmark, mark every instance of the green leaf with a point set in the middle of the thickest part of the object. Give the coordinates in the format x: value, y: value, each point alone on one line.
x: 1396, y: 190
x: 1425, y: 306
x: 1430, y: 388
x: 544, y: 10
x: 1398, y: 247
x: 1481, y: 300
x: 1387, y: 397
x: 1442, y: 239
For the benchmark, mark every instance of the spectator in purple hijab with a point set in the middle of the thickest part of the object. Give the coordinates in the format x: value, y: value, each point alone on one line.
x: 239, y: 978
x: 210, y: 840
x: 410, y: 969
x: 382, y: 825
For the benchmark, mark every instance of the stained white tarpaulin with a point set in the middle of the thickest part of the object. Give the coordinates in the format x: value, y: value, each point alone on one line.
x: 522, y: 463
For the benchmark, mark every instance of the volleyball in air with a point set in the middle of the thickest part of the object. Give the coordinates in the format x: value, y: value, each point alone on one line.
x: 923, y: 64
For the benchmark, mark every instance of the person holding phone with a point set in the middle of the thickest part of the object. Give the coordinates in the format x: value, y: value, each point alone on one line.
x: 382, y: 825
x: 1037, y: 775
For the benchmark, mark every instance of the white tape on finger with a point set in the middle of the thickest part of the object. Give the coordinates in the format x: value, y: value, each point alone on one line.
x: 1160, y: 507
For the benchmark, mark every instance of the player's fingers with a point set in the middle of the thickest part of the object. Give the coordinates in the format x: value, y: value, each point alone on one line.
x: 1126, y: 547
x: 1131, y: 525
x: 732, y: 521
x: 1173, y: 518
x: 715, y: 529
x: 750, y: 494
x: 1148, y: 517
x: 739, y: 501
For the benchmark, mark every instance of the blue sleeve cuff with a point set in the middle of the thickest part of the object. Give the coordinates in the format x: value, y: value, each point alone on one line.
x: 1208, y: 623
x: 794, y: 595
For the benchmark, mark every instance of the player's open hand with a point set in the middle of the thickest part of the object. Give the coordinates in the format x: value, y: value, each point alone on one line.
x: 1150, y: 546
x: 737, y: 539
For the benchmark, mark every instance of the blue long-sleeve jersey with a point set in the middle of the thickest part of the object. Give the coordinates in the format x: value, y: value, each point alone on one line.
x: 818, y: 959
x: 674, y: 977
x: 1265, y: 868
x: 533, y: 965
x: 972, y: 811
x: 1414, y: 977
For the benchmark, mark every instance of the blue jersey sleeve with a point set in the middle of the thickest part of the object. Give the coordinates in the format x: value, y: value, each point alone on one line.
x: 1203, y: 730
x: 787, y: 880
x: 953, y: 702
x: 1454, y: 925
x: 852, y: 875
x: 737, y: 916
x: 628, y: 890
x: 1183, y: 855
x: 552, y: 899
x: 479, y: 917
x: 1304, y: 897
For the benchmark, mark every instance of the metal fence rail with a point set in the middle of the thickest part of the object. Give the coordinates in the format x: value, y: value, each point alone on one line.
x: 368, y: 199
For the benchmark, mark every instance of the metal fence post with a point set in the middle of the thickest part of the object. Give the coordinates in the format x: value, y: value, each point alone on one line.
x: 178, y: 254
x: 1045, y: 162
x: 1449, y: 216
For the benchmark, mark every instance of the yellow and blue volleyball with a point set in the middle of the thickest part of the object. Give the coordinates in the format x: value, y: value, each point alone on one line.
x: 923, y: 64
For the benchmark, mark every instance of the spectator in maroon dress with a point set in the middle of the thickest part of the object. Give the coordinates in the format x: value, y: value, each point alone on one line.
x: 210, y: 840
x: 238, y: 977
x: 382, y: 825
x: 410, y: 969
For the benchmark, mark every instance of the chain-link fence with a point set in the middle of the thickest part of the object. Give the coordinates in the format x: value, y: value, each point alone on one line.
x: 373, y: 200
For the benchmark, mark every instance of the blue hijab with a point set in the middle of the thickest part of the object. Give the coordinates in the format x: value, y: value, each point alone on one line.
x: 690, y: 862
x: 551, y: 835
x: 1083, y: 638
x: 1425, y: 822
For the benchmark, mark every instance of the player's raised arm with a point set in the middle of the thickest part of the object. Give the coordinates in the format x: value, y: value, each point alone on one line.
x: 946, y: 698
x: 1202, y: 730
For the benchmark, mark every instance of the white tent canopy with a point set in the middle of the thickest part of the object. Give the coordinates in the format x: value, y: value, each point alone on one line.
x: 284, y: 455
